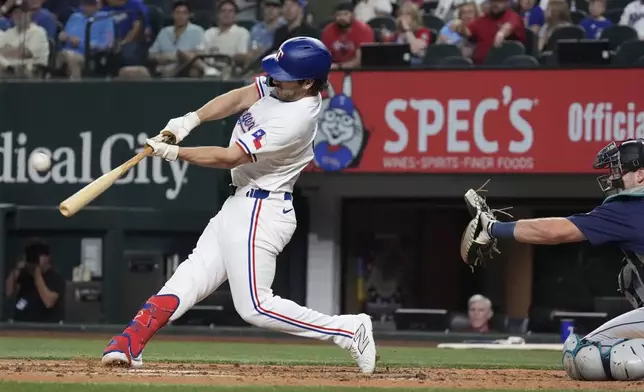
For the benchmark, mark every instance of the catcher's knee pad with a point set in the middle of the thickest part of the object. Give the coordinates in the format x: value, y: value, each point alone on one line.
x: 584, y: 360
x: 627, y: 360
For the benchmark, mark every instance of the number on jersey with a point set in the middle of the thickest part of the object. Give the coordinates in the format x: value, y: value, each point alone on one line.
x: 259, y: 138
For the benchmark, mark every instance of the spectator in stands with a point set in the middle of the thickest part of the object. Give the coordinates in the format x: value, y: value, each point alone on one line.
x: 499, y: 24
x: 24, y: 46
x: 178, y: 44
x: 557, y: 14
x: 129, y: 24
x: 293, y: 12
x: 532, y: 15
x: 72, y: 56
x: 410, y: 31
x: 633, y: 16
x: 595, y: 23
x: 36, y: 286
x: 263, y: 33
x: 479, y: 313
x: 227, y: 38
x: 344, y: 36
x: 365, y: 10
x: 43, y: 18
x: 466, y: 12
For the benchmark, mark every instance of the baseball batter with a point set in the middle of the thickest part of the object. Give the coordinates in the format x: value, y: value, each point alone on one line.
x: 615, y: 350
x: 271, y: 144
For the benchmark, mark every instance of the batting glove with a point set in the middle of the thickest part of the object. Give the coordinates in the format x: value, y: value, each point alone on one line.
x: 178, y: 128
x: 166, y: 151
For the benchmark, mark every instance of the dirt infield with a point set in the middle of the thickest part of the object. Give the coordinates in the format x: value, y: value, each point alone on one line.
x: 84, y: 370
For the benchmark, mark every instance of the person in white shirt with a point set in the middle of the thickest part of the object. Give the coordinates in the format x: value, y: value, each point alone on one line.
x: 366, y: 10
x: 271, y: 144
x: 227, y: 38
x: 633, y: 16
x: 23, y: 46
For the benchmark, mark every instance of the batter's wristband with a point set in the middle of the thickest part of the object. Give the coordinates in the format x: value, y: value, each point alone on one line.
x: 192, y: 121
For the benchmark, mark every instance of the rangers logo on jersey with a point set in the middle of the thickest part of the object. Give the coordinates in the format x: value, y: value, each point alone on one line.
x: 259, y: 138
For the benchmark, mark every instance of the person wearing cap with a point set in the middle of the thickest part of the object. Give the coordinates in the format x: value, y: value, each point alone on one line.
x: 71, y: 58
x: 344, y: 37
x: 263, y: 32
x: 37, y: 288
x: 293, y: 12
x: 499, y: 24
x: 24, y: 46
x: 178, y: 44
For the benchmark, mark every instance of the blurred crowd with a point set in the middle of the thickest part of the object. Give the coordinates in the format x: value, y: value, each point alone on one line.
x: 228, y: 38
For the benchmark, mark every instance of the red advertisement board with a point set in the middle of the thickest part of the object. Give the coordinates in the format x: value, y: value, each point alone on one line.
x: 505, y: 121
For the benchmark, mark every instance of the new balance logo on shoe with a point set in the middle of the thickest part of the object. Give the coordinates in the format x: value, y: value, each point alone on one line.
x: 361, y: 338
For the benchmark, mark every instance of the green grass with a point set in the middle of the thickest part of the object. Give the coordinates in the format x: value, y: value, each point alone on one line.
x: 283, y: 354
x: 256, y: 353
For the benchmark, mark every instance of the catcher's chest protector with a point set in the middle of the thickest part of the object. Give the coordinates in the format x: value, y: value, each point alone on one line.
x: 630, y: 279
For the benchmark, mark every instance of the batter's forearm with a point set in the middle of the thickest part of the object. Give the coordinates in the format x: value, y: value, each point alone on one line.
x: 215, y: 157
x: 229, y: 103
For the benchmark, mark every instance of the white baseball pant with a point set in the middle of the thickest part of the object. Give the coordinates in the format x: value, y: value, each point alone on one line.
x: 629, y: 325
x: 241, y: 244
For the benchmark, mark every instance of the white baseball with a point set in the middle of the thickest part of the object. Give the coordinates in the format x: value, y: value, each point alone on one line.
x: 40, y: 161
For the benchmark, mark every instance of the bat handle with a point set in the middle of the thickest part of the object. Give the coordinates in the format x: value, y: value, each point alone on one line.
x: 147, y: 151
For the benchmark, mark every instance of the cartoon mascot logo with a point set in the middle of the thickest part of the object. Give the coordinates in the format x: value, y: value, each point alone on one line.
x: 341, y: 136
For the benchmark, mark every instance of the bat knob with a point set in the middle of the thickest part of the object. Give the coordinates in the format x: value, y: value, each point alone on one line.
x: 64, y: 210
x: 168, y: 137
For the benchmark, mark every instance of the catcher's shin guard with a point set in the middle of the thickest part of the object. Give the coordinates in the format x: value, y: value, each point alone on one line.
x: 584, y: 360
x: 589, y: 361
x: 126, y: 348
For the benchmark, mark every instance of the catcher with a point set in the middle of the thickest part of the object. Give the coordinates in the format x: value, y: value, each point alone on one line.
x: 615, y: 350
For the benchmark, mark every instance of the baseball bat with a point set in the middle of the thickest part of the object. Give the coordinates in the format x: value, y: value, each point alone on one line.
x: 91, y: 191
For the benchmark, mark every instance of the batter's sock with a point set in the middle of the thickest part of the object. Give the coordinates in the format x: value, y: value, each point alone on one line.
x: 152, y: 317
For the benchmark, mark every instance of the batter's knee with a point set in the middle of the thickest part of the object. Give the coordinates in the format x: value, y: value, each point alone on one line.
x: 249, y: 314
x: 589, y: 361
x: 252, y: 310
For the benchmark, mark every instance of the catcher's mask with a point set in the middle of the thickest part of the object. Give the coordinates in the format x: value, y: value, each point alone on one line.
x: 620, y: 159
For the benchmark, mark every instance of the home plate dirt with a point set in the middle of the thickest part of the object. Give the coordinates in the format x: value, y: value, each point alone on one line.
x: 90, y: 370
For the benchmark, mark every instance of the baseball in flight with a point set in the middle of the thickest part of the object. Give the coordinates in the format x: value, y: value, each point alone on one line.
x: 40, y: 161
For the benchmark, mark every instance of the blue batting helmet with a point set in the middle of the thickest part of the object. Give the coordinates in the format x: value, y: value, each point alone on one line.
x: 299, y: 58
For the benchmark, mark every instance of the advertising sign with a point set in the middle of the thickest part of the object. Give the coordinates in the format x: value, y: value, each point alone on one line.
x: 494, y: 121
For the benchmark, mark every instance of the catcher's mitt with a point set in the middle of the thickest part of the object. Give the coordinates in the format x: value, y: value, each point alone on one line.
x: 477, y: 243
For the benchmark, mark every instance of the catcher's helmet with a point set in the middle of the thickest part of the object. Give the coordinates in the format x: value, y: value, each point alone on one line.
x: 299, y: 58
x: 620, y: 159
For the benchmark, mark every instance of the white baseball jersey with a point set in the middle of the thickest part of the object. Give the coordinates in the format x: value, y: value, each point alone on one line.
x: 633, y: 16
x: 278, y: 136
